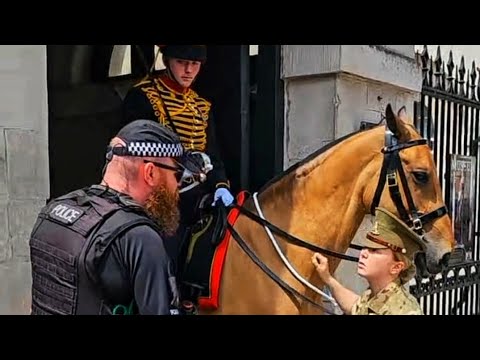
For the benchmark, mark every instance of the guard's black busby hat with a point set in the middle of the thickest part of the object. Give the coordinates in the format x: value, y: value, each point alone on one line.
x: 186, y: 52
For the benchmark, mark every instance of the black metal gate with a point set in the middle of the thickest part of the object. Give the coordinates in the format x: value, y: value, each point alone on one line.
x: 448, y: 114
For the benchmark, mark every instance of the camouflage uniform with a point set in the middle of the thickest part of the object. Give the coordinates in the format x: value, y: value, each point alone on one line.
x: 393, y: 300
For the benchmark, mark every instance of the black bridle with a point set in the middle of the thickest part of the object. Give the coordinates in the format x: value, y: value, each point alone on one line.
x: 388, y: 175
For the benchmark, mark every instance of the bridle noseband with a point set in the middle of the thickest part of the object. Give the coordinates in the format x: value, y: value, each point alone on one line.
x: 388, y: 175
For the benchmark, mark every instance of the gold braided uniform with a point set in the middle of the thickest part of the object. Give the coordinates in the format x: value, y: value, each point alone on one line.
x: 160, y: 99
x: 188, y: 111
x: 394, y: 299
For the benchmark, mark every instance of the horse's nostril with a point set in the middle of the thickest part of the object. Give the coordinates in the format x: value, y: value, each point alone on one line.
x: 445, y: 260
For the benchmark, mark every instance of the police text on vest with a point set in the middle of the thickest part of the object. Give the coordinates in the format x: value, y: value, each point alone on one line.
x: 65, y: 213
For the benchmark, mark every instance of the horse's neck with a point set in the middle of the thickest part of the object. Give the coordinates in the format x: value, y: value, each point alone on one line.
x: 320, y: 202
x: 323, y: 201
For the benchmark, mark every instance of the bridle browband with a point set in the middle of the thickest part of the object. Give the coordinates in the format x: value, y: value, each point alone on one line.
x: 391, y: 164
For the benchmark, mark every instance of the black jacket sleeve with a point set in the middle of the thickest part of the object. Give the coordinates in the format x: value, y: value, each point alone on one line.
x: 136, y: 106
x: 218, y: 174
x: 149, y: 270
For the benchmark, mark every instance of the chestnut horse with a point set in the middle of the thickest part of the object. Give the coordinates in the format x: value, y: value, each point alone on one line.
x: 322, y: 201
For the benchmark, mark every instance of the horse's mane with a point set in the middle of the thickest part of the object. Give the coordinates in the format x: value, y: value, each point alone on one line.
x: 311, y: 157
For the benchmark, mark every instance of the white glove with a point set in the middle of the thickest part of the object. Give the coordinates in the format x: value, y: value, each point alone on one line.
x: 223, y: 194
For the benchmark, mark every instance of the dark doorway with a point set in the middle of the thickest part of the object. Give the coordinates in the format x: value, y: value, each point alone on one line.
x: 247, y: 93
x: 225, y: 81
x: 85, y: 102
x: 266, y: 116
x: 82, y: 115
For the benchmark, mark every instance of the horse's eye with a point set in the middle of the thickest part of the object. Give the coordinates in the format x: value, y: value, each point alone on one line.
x: 420, y: 177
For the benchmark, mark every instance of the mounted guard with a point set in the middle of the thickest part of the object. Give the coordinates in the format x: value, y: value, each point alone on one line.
x: 169, y: 99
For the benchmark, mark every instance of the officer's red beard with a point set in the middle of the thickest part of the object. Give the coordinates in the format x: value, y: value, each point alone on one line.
x: 162, y: 206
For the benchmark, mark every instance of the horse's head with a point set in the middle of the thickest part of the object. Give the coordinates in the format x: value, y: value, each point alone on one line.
x: 409, y: 186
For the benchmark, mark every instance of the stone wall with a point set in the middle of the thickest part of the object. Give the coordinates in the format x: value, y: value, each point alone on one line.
x: 24, y: 181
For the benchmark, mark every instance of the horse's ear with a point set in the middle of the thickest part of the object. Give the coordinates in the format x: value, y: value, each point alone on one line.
x: 391, y: 120
x: 403, y: 115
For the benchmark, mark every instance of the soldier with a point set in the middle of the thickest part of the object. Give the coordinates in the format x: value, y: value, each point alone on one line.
x: 100, y: 250
x: 169, y: 99
x: 386, y: 262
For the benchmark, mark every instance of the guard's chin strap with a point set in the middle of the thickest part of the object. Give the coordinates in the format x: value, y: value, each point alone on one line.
x: 169, y: 73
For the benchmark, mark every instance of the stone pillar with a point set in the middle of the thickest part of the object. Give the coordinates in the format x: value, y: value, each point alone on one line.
x: 24, y: 168
x: 331, y: 89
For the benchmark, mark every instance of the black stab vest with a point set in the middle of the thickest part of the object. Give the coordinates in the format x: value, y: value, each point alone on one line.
x: 65, y: 250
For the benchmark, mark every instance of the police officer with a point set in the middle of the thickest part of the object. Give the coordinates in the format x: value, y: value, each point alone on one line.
x: 386, y: 262
x: 169, y: 100
x: 100, y: 250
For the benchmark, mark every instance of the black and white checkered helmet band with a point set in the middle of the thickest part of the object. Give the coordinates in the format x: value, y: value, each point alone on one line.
x: 150, y: 149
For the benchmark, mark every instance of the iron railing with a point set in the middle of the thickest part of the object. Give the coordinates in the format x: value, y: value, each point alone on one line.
x: 448, y: 114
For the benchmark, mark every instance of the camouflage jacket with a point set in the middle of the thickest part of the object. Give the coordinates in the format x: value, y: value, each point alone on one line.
x: 394, y: 299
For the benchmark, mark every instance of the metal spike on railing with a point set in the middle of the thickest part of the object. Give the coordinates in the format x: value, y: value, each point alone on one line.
x: 456, y: 80
x: 473, y: 84
x: 461, y: 80
x: 430, y: 71
x: 443, y: 76
x: 438, y: 69
x: 478, y: 87
x: 450, y: 78
x: 467, y: 87
x: 424, y: 57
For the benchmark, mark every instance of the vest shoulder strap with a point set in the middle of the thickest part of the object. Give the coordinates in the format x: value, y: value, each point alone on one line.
x: 97, y: 250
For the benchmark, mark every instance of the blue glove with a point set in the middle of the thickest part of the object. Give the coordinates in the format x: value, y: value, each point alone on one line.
x: 223, y: 194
